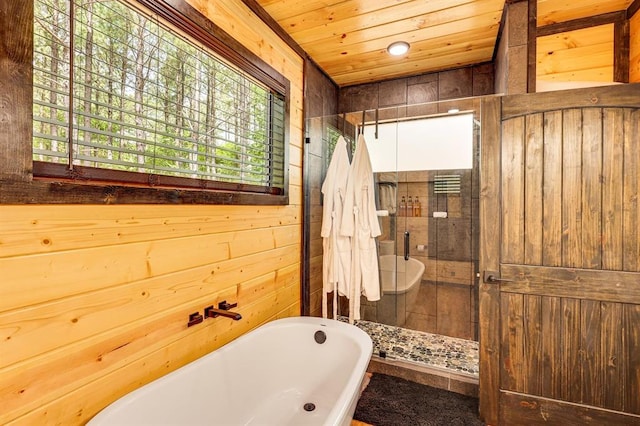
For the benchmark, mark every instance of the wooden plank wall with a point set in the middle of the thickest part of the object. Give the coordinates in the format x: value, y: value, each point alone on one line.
x: 579, y: 55
x: 94, y: 300
x: 570, y: 331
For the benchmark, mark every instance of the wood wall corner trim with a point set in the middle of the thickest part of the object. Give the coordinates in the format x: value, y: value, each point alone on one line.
x: 633, y: 8
x: 16, y: 75
x: 621, y: 44
x: 581, y: 23
x: 532, y: 46
x: 261, y: 13
x: 489, y: 258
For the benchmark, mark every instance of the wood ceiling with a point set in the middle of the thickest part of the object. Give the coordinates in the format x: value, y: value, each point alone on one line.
x: 348, y: 38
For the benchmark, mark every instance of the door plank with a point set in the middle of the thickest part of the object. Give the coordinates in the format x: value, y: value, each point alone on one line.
x: 631, y: 192
x: 612, y: 189
x: 529, y: 103
x: 513, y: 190
x: 529, y: 410
x: 570, y: 341
x: 590, y: 284
x: 591, y: 188
x: 632, y: 358
x: 552, y: 190
x: 512, y: 355
x: 533, y: 369
x: 590, y: 350
x: 551, y: 348
x: 533, y: 189
x: 571, y: 188
x: 612, y: 356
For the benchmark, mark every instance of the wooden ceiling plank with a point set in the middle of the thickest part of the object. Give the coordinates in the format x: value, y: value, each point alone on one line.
x: 327, y: 51
x: 378, y: 20
x: 285, y: 9
x: 368, y: 14
x: 553, y: 11
x: 424, y: 49
x: 403, y: 70
x: 282, y: 9
x: 298, y: 10
x: 399, y: 30
x: 377, y: 60
x: 378, y: 70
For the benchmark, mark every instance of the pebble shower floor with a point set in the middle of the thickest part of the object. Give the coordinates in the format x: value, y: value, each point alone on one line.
x: 432, y: 350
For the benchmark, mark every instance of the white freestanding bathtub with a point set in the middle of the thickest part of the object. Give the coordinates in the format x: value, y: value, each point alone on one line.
x: 400, y: 282
x: 282, y: 373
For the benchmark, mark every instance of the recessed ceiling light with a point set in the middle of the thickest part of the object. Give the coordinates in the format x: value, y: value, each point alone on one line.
x: 398, y: 48
x: 453, y: 111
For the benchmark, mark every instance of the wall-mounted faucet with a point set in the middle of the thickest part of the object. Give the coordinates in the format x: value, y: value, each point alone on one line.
x: 222, y: 310
x: 194, y: 318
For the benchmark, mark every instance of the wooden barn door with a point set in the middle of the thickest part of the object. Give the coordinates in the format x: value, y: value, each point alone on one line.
x: 560, y: 258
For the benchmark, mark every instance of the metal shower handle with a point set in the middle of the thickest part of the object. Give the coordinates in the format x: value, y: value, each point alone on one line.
x: 407, y: 245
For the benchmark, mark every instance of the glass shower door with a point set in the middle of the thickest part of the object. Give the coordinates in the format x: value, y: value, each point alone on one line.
x: 381, y: 136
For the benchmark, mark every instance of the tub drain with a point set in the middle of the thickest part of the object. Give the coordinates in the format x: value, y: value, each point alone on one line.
x: 320, y: 337
x: 309, y: 406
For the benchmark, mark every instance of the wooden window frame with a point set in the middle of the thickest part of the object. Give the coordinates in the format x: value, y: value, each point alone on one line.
x: 621, y: 39
x: 18, y: 185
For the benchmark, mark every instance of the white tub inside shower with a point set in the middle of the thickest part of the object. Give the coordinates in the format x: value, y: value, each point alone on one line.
x: 278, y: 374
x: 400, y: 282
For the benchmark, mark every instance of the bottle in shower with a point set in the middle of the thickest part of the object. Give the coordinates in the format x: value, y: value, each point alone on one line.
x: 410, y: 207
x: 417, y: 208
x: 403, y: 207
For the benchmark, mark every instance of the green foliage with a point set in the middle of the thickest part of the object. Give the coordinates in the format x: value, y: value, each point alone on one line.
x: 146, y: 99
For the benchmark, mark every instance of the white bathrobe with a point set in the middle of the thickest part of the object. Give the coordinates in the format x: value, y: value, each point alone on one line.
x: 360, y: 222
x: 336, y: 249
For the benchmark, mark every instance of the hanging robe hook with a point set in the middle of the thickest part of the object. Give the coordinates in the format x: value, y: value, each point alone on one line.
x: 376, y: 132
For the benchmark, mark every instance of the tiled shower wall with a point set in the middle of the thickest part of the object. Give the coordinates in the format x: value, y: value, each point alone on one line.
x: 438, y: 86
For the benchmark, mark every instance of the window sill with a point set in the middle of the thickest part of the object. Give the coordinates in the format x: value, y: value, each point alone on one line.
x: 51, y: 192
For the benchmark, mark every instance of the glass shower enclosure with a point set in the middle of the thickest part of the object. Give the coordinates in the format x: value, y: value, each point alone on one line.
x: 425, y: 162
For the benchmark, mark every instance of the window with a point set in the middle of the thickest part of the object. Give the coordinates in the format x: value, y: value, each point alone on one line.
x: 120, y: 95
x: 442, y: 142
